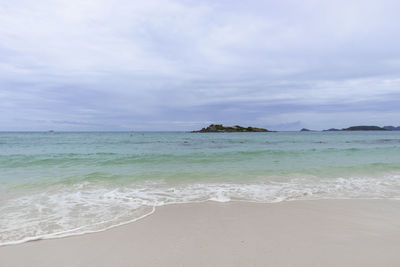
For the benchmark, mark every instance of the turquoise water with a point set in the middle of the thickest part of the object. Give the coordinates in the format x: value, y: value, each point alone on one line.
x: 58, y: 184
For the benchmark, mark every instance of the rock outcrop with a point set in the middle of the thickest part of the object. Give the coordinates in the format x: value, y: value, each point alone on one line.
x: 219, y: 128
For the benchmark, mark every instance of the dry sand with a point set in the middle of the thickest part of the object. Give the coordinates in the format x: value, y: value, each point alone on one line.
x: 299, y: 233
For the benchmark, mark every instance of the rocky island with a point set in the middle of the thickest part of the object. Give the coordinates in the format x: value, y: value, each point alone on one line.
x: 219, y: 128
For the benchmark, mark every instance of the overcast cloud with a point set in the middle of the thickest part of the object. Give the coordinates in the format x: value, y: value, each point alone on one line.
x: 182, y: 64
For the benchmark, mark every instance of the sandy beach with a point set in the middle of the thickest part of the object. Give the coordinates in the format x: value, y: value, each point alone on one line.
x: 298, y: 233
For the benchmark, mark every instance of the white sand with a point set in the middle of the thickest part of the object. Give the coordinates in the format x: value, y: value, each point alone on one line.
x: 300, y: 233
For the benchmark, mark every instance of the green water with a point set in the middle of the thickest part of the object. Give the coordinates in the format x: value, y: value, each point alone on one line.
x: 55, y: 184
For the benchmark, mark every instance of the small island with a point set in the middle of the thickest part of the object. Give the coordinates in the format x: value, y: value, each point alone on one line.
x: 219, y: 128
x: 364, y: 128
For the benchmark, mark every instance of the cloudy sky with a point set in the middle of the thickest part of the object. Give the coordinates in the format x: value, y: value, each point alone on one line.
x: 183, y: 64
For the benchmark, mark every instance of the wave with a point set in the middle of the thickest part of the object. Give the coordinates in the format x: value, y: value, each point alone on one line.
x: 87, y: 207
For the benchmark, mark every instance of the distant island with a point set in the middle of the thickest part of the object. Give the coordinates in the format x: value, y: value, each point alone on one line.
x: 359, y: 128
x: 219, y: 128
x: 392, y: 128
x: 332, y: 130
x: 362, y: 128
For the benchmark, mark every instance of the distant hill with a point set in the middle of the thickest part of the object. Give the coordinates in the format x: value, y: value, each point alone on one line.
x: 305, y: 130
x: 219, y: 128
x: 364, y: 128
x: 392, y: 128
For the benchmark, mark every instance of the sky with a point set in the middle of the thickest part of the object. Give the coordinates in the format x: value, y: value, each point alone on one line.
x: 127, y: 65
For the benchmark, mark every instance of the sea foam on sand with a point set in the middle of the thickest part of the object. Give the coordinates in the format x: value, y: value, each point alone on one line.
x: 85, y: 208
x: 295, y: 233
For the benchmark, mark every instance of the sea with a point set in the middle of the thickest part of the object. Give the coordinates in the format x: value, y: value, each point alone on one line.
x: 55, y: 184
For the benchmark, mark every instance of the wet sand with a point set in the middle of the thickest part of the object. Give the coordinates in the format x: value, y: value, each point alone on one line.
x: 298, y: 233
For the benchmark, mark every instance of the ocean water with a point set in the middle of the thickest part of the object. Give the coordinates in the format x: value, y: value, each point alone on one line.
x: 55, y: 184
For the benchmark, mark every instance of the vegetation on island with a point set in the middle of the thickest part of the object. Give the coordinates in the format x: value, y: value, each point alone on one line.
x: 219, y: 128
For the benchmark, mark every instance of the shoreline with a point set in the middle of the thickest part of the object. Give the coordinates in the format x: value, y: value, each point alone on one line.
x: 59, y: 235
x: 345, y: 232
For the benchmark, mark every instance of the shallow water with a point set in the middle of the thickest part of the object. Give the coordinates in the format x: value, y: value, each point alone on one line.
x: 57, y: 184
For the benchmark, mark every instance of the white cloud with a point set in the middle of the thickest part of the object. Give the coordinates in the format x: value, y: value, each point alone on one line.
x: 151, y: 59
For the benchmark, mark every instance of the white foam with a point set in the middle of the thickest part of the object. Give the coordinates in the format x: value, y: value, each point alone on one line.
x: 85, y: 208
